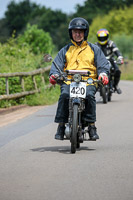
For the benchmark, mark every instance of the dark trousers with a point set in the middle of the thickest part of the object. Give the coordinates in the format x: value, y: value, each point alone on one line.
x: 117, y: 74
x: 62, y: 112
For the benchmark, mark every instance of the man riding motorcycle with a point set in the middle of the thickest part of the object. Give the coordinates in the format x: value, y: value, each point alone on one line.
x: 110, y: 50
x: 79, y: 55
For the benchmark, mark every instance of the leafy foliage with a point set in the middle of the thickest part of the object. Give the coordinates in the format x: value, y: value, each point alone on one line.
x: 16, y: 56
x: 120, y: 25
x: 4, y: 31
x: 92, y: 8
x: 37, y: 39
x: 117, y: 21
x: 125, y: 44
x: 18, y: 14
x: 52, y: 22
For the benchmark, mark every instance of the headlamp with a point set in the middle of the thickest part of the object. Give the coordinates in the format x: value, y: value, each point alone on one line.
x: 90, y: 81
x: 77, y: 78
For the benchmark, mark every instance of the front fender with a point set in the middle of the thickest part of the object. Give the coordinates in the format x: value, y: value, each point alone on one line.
x: 76, y: 101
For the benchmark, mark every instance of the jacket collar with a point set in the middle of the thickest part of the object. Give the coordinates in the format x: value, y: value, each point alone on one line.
x: 83, y: 44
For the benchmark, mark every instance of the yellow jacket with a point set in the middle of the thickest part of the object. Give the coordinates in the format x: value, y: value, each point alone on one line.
x: 87, y: 56
x: 81, y: 58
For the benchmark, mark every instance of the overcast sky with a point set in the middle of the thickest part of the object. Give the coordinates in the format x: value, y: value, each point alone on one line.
x: 67, y: 6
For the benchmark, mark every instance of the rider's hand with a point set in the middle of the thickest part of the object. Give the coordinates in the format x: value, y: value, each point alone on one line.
x: 104, y: 78
x: 120, y: 60
x: 53, y: 78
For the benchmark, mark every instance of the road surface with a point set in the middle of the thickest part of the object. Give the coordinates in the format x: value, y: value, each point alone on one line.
x: 34, y: 166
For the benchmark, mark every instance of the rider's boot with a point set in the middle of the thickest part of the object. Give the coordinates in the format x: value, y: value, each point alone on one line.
x: 111, y: 88
x: 92, y: 130
x: 116, y: 81
x: 60, y: 132
x: 117, y: 89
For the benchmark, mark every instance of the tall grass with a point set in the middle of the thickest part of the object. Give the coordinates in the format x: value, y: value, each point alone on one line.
x: 46, y: 97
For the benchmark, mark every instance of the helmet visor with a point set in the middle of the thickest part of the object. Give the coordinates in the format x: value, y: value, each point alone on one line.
x: 102, y: 39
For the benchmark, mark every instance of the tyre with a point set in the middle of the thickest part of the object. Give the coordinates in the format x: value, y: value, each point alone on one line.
x: 74, y: 129
x: 104, y: 92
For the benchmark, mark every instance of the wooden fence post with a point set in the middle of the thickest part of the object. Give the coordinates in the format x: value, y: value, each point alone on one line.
x: 32, y: 74
x: 22, y: 83
x: 7, y: 86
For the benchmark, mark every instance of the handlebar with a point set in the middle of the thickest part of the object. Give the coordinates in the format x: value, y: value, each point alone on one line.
x: 113, y: 60
x: 81, y: 72
x: 60, y: 79
x: 63, y: 75
x: 118, y: 62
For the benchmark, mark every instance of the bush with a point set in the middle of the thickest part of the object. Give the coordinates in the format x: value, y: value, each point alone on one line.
x: 18, y: 57
x: 37, y: 39
x: 116, y: 22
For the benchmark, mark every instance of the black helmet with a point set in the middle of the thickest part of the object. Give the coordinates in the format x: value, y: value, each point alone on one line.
x: 79, y: 23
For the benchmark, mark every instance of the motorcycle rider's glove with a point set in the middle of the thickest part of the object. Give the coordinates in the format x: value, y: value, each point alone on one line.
x: 104, y: 78
x: 120, y: 60
x: 53, y: 78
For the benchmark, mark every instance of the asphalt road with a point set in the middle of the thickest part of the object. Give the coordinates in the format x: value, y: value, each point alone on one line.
x: 34, y: 166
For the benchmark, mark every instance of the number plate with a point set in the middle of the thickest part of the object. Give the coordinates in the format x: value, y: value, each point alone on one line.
x: 78, y: 90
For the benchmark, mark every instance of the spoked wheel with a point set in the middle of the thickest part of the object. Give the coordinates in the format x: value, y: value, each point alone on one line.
x: 74, y: 143
x: 104, y: 91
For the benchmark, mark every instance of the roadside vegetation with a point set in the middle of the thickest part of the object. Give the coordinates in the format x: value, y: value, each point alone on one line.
x: 127, y: 70
x: 23, y: 42
x: 25, y: 54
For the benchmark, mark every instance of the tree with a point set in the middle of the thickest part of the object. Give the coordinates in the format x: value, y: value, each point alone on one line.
x: 37, y: 39
x: 4, y: 31
x: 92, y: 8
x: 18, y: 14
x: 54, y: 22
x: 117, y: 21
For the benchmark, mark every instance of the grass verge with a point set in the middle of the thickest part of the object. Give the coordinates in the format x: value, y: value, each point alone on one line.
x: 127, y: 70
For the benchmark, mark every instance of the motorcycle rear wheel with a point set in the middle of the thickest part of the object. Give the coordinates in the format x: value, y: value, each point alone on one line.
x: 74, y: 129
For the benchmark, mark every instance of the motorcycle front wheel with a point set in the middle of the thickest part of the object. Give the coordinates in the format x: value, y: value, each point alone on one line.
x: 74, y: 129
x: 104, y: 92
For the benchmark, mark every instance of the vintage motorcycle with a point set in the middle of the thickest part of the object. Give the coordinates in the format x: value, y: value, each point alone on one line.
x: 111, y: 88
x: 107, y: 90
x: 104, y: 92
x: 76, y: 129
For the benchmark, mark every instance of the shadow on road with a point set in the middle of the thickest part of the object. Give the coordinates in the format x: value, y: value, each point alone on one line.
x: 60, y: 149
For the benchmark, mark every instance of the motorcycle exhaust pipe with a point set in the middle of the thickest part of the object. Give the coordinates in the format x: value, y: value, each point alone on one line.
x: 68, y: 131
